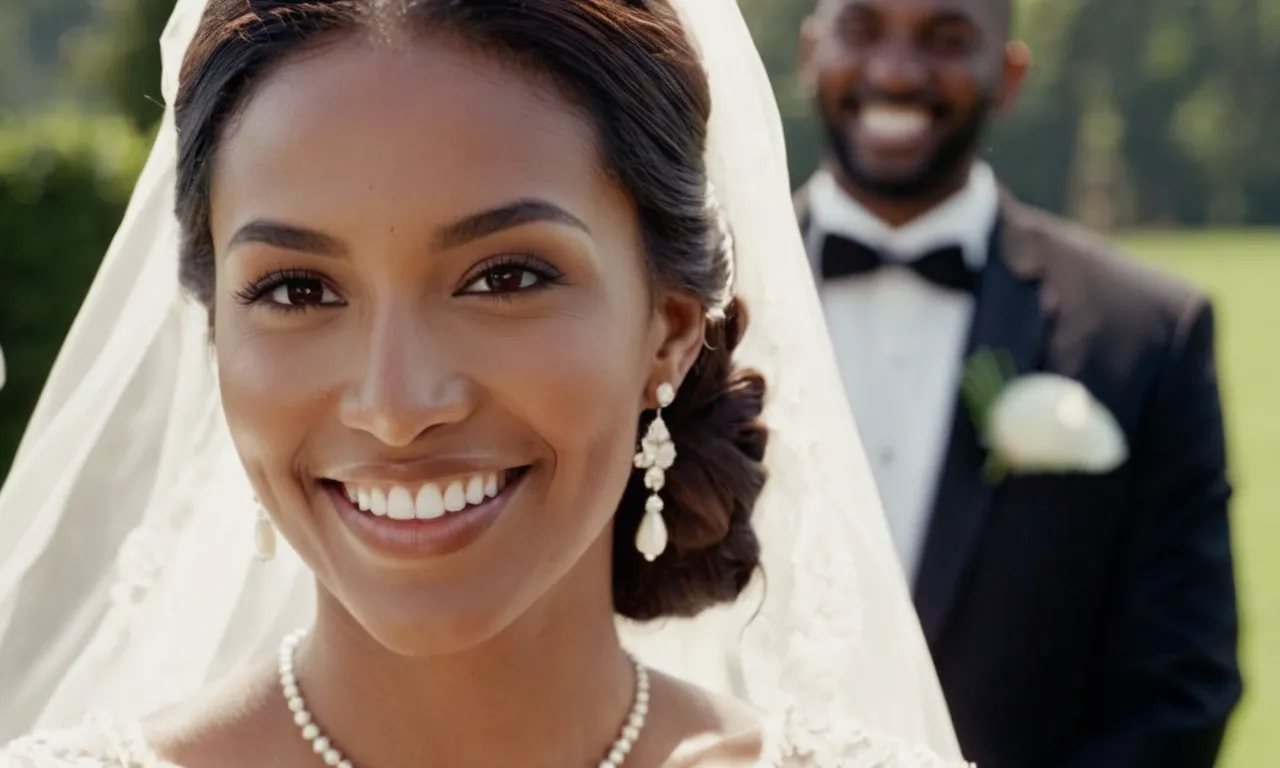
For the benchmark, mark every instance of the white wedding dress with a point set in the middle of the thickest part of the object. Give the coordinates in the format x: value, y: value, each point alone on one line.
x: 129, y: 607
x: 786, y: 743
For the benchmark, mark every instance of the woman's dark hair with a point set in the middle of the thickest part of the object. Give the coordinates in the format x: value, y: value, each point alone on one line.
x: 629, y: 66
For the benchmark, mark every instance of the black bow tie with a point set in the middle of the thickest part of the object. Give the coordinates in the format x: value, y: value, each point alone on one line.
x: 946, y: 267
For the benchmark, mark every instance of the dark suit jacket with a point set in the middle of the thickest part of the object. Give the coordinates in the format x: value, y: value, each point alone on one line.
x: 1088, y: 621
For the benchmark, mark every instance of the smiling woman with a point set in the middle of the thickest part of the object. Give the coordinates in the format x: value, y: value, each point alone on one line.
x: 440, y: 312
x: 448, y: 286
x: 456, y: 261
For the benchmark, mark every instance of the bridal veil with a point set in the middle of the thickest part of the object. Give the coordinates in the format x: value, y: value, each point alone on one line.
x: 127, y: 575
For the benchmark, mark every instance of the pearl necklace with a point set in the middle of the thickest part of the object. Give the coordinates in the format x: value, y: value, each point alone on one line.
x: 334, y: 757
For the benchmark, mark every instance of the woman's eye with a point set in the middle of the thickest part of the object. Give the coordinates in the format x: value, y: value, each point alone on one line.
x: 507, y: 278
x: 303, y: 292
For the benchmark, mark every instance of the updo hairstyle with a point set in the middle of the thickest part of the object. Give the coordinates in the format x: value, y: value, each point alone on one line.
x: 629, y: 66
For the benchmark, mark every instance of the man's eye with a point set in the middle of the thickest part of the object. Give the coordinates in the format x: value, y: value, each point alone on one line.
x: 854, y: 30
x: 952, y: 42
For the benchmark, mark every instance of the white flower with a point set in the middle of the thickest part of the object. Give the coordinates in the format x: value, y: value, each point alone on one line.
x: 1043, y: 422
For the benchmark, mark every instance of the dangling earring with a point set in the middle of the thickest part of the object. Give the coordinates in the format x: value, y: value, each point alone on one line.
x: 657, y: 454
x: 264, y: 534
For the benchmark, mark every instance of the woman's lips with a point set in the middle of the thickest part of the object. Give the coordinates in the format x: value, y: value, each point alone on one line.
x: 431, y: 519
x: 428, y: 500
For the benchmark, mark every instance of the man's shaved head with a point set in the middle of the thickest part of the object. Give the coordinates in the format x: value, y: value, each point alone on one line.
x: 905, y: 88
x: 999, y: 12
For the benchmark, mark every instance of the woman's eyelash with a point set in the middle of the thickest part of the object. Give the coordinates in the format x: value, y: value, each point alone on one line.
x: 500, y: 273
x: 262, y: 287
x: 505, y: 266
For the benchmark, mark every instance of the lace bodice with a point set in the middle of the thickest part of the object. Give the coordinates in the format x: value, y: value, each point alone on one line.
x: 787, y: 744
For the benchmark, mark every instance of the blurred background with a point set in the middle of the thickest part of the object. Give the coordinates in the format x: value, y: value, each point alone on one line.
x: 1153, y: 120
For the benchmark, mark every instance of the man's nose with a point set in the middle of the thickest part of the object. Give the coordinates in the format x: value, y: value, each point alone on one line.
x: 895, y: 67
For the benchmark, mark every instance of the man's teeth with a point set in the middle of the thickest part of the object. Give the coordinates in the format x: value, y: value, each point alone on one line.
x: 427, y: 502
x: 893, y: 122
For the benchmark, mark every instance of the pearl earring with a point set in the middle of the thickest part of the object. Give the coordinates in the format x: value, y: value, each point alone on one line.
x: 657, y: 454
x: 264, y: 534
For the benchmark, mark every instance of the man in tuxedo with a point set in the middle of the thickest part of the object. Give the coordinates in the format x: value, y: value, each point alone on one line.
x: 1077, y: 620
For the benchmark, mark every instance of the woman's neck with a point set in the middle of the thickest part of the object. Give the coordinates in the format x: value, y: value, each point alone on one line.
x: 551, y: 689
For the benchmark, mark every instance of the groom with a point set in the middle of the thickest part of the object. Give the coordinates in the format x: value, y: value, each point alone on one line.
x: 1080, y: 618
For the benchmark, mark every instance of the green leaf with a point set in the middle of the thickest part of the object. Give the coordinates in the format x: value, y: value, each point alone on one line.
x: 985, y: 375
x: 994, y: 470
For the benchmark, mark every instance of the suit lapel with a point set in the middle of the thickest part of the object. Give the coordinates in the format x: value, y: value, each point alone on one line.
x: 804, y: 218
x: 1012, y: 313
x: 801, y: 202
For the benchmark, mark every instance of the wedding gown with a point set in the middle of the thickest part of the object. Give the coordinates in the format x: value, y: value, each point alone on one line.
x: 787, y: 742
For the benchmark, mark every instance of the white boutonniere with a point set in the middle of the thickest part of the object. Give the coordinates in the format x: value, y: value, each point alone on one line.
x: 1038, y: 422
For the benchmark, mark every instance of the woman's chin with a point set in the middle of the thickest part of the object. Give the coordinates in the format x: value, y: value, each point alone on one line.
x: 422, y: 602
x: 422, y: 614
x: 425, y: 626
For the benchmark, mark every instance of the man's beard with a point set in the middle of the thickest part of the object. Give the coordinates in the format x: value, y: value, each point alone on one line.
x: 939, y: 171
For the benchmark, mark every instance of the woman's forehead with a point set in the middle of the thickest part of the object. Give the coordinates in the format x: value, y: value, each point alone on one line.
x: 425, y: 125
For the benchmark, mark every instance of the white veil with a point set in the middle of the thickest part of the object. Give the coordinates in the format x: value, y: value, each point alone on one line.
x: 127, y: 575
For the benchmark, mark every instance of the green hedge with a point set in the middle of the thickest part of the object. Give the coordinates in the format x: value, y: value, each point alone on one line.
x: 65, y: 179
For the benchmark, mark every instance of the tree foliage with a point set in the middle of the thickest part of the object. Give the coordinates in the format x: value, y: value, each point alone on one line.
x: 119, y: 62
x: 64, y: 182
x: 1136, y: 112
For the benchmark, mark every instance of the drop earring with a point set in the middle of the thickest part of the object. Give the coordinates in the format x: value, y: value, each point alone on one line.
x: 264, y: 534
x: 657, y: 454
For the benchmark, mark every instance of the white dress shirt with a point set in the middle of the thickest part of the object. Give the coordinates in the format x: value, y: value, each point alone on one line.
x: 900, y: 341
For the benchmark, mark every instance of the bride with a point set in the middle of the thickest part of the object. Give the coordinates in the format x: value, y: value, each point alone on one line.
x: 453, y: 261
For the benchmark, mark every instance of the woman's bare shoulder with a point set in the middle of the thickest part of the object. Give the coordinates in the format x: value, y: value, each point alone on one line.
x: 229, y: 723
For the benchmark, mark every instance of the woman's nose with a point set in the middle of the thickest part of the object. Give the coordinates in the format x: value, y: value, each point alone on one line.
x: 408, y: 381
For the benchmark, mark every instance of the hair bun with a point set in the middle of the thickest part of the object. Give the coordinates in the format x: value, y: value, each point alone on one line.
x: 710, y: 491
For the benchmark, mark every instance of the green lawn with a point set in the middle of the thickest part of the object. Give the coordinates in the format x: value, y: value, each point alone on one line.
x: 1242, y: 273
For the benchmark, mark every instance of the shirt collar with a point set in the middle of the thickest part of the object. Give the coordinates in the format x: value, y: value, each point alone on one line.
x: 965, y: 219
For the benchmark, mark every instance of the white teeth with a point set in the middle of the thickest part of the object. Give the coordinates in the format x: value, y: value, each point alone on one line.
x: 454, y: 498
x: 894, y: 123
x: 430, y: 503
x: 400, y: 504
x: 378, y: 502
x: 475, y: 489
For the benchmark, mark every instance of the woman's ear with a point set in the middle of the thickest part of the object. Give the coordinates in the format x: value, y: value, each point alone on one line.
x: 680, y: 326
